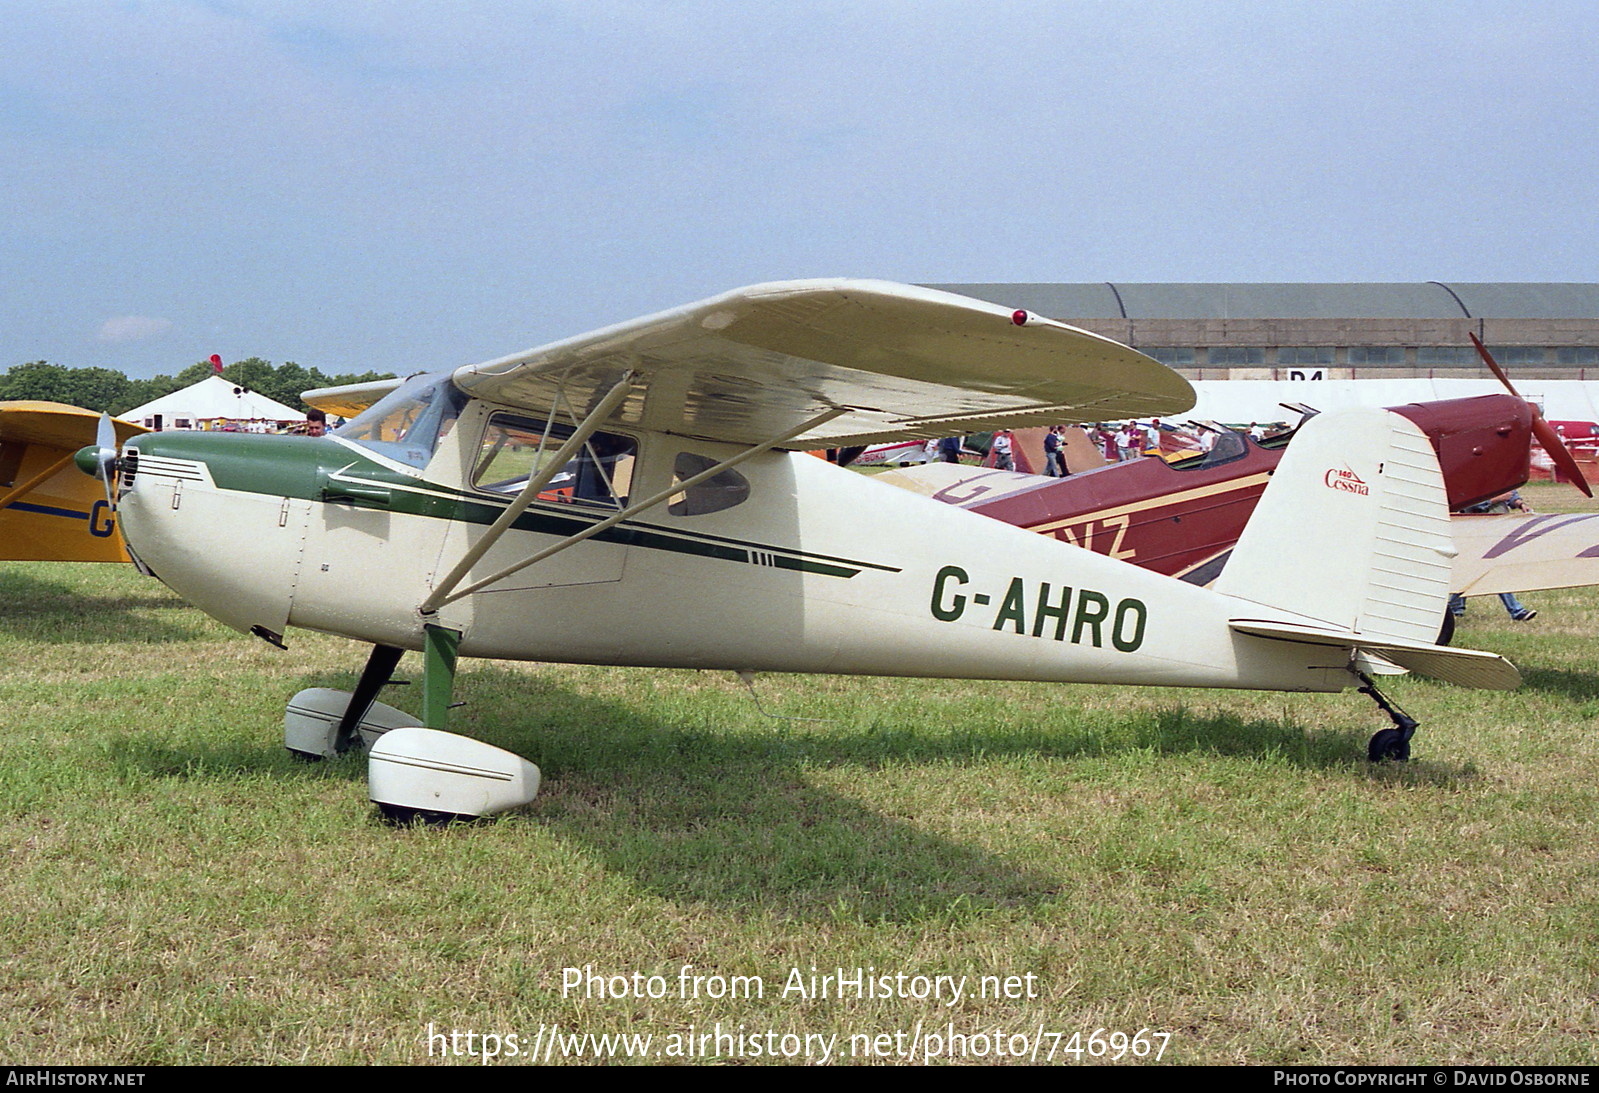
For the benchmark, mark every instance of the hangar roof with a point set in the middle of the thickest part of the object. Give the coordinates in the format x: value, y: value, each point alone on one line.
x: 1404, y: 300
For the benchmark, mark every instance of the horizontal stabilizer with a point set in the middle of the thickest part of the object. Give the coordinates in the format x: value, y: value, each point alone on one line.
x: 56, y: 425
x: 958, y: 483
x: 1462, y: 667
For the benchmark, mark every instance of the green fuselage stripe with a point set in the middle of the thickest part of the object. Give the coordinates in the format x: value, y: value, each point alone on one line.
x: 302, y: 467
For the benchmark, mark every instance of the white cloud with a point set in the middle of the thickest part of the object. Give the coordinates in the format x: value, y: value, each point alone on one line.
x: 132, y: 328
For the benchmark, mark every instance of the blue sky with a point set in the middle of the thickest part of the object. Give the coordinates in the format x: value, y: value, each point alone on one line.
x: 357, y: 185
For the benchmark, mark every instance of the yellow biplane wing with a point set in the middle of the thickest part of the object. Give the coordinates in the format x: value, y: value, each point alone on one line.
x: 350, y: 399
x: 49, y: 511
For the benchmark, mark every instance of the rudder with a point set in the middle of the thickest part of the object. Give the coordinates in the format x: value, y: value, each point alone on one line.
x: 1353, y: 530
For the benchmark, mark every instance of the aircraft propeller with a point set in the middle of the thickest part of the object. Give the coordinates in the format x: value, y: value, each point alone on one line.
x: 101, y: 460
x: 1547, y: 437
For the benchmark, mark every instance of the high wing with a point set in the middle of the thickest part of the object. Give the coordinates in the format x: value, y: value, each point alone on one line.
x: 893, y: 361
x: 48, y: 510
x: 56, y: 425
x: 349, y: 399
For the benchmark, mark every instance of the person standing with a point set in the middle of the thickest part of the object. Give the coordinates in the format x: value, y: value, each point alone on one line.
x: 1127, y: 442
x: 1002, y: 451
x: 1518, y: 611
x: 1052, y: 461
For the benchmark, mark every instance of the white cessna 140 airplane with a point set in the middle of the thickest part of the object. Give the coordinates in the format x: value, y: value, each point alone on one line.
x: 639, y: 496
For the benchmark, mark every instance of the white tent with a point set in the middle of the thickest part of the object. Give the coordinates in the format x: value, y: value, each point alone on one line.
x: 210, y: 400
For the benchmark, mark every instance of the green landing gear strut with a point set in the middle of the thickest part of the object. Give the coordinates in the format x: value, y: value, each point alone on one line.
x: 427, y: 773
x: 438, y: 675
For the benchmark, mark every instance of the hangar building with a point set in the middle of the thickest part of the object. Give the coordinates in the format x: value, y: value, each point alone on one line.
x: 1331, y: 331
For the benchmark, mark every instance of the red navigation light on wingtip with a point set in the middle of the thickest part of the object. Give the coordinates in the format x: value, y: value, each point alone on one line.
x: 1020, y: 317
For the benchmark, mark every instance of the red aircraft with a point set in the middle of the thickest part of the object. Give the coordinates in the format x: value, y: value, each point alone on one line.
x: 1182, y: 518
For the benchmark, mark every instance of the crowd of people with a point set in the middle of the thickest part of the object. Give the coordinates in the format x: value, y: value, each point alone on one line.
x: 1118, y: 442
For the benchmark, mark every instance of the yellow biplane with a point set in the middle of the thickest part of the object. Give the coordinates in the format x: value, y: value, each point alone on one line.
x: 48, y: 511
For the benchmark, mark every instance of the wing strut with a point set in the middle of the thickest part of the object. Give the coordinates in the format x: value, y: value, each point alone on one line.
x: 535, y: 485
x: 18, y: 491
x: 442, y: 596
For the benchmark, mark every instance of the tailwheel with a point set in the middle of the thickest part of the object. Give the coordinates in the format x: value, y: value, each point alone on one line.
x: 1389, y: 744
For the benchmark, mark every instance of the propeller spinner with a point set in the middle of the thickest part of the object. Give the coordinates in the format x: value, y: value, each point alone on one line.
x: 101, y: 459
x: 1547, y: 437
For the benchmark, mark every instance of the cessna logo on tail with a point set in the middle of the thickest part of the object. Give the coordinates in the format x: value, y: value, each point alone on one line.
x: 1346, y: 480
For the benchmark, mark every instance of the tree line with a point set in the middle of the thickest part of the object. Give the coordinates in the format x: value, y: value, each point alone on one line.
x: 109, y: 391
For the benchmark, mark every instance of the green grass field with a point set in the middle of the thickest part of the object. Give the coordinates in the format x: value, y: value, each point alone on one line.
x: 1224, y: 868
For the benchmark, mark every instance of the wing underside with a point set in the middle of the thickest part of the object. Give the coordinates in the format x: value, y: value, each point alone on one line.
x: 901, y: 362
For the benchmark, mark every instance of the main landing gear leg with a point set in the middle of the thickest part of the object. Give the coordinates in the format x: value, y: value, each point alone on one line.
x: 438, y: 674
x: 374, y: 677
x: 425, y: 773
x: 1391, y: 743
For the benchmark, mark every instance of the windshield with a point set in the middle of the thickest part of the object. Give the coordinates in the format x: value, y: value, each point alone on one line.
x: 408, y: 423
x: 1229, y: 445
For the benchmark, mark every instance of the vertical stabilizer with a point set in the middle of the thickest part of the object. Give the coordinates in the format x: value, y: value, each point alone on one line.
x: 1353, y: 530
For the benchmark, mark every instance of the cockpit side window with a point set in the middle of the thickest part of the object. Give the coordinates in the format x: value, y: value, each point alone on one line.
x: 514, y: 448
x: 408, y: 423
x: 720, y: 491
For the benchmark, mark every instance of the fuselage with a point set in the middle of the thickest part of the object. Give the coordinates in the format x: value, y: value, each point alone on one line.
x: 794, y: 566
